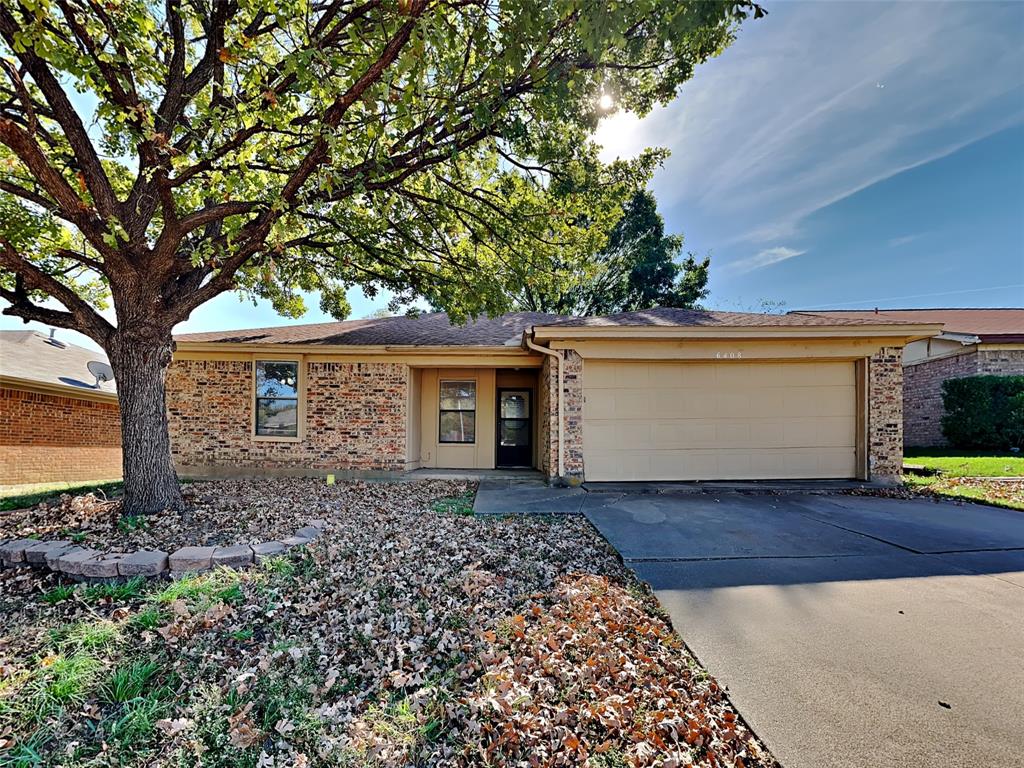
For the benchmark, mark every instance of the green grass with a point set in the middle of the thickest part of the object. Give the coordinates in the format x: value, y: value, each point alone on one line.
x: 980, y: 490
x: 130, y: 681
x: 59, y: 594
x: 150, y: 617
x: 955, y: 463
x: 130, y: 523
x: 64, y: 681
x: 89, y: 635
x: 135, y: 720
x: 455, y: 505
x: 126, y: 591
x: 18, y: 497
x: 200, y: 591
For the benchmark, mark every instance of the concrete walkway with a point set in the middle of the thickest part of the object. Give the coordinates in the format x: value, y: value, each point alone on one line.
x: 517, y: 496
x: 850, y: 631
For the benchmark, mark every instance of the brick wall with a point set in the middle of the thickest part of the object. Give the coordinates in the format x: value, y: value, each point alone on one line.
x: 1001, y: 362
x: 547, y: 385
x: 355, y: 418
x: 572, y: 410
x: 922, y: 395
x: 885, y: 415
x: 572, y: 373
x: 922, y: 387
x: 48, y: 438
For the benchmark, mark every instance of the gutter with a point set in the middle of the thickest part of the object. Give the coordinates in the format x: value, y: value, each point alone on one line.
x: 527, y: 338
x: 57, y: 390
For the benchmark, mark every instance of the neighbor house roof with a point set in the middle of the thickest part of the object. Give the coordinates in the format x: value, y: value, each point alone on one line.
x: 32, y: 358
x: 989, y: 325
x: 429, y: 329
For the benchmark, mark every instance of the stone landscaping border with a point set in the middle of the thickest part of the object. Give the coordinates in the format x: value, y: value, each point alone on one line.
x: 87, y: 564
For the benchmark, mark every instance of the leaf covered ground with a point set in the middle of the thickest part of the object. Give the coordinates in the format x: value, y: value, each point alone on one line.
x: 218, y: 514
x: 408, y: 634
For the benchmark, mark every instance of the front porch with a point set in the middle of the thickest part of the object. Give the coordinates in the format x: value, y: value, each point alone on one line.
x: 475, y: 419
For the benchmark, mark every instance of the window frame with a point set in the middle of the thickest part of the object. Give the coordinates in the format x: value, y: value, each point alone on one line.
x: 300, y: 398
x: 441, y: 411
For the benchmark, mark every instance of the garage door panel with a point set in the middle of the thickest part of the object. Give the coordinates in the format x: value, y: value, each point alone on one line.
x: 599, y: 403
x: 730, y: 421
x: 609, y: 433
x: 682, y: 433
x: 832, y: 432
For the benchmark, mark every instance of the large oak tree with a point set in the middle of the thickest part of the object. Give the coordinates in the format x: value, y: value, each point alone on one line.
x: 155, y: 155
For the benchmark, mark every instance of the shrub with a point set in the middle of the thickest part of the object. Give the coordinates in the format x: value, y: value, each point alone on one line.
x: 984, y: 412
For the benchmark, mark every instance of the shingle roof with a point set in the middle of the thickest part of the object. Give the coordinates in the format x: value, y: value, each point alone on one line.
x: 666, y: 316
x: 30, y: 355
x: 430, y: 329
x: 989, y: 324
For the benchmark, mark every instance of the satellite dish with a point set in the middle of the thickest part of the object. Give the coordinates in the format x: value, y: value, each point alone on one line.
x: 101, y: 371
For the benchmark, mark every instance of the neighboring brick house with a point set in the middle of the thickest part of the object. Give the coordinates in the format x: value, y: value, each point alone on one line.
x: 663, y: 394
x: 973, y: 342
x: 56, y: 423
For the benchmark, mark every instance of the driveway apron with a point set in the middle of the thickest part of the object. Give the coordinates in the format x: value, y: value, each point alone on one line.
x: 850, y: 631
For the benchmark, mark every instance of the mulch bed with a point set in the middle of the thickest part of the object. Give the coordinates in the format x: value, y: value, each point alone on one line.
x: 405, y: 635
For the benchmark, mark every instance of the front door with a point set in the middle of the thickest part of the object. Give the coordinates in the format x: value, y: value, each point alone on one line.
x: 515, y: 428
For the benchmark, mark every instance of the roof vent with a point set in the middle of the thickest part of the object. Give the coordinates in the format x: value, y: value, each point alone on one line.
x: 54, y: 341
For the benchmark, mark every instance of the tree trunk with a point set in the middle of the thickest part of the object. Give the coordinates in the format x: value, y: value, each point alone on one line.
x: 140, y: 363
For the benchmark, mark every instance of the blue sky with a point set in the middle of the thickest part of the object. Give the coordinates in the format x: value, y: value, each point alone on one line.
x: 840, y: 154
x: 852, y: 154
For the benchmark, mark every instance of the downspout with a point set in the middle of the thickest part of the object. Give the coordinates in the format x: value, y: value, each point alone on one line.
x: 527, y: 337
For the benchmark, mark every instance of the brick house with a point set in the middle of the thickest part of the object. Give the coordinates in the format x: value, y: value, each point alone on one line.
x: 662, y: 394
x: 56, y: 423
x: 973, y: 342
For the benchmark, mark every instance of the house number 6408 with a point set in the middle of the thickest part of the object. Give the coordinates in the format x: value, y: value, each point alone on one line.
x: 728, y: 355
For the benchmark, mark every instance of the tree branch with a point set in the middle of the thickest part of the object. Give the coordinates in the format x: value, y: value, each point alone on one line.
x: 31, y: 278
x: 89, y: 162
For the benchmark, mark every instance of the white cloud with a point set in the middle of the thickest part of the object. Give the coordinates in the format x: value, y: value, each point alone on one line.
x: 790, y: 118
x: 764, y: 258
x: 896, y: 242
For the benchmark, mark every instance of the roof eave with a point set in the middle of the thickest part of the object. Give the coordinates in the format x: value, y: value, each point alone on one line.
x: 60, y: 390
x: 347, y: 349
x: 1000, y: 338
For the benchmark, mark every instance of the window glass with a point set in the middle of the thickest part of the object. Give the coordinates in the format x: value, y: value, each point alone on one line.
x: 277, y: 416
x: 458, y: 426
x: 457, y: 422
x: 276, y: 378
x: 515, y: 405
x: 515, y: 432
x: 458, y: 395
x: 277, y: 398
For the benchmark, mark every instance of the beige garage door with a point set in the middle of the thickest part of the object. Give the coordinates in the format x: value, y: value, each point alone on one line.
x: 719, y: 421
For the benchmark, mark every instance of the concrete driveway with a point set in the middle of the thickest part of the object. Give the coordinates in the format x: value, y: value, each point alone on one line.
x: 850, y: 631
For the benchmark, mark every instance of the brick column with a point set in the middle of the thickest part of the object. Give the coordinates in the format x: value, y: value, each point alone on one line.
x: 572, y: 373
x: 572, y: 410
x: 885, y: 415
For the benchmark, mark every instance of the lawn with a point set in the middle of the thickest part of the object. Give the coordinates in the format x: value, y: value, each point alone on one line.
x: 955, y: 463
x: 409, y: 633
x: 999, y: 493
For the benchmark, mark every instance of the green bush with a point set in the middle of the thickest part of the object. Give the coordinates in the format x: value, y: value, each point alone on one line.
x: 984, y: 412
